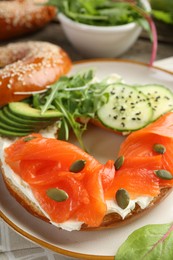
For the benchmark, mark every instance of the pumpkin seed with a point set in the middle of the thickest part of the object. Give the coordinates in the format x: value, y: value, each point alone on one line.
x: 57, y: 194
x: 122, y: 198
x: 119, y: 162
x: 159, y: 148
x: 77, y: 166
x: 163, y: 174
x: 28, y: 138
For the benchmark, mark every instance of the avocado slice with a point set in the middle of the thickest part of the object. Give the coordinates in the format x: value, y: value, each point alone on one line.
x: 24, y: 110
x: 15, y: 118
x: 11, y: 128
x: 6, y: 120
x: 20, y: 119
x: 11, y: 133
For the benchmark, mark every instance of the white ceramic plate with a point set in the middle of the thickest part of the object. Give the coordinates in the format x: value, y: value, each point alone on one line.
x: 103, y: 145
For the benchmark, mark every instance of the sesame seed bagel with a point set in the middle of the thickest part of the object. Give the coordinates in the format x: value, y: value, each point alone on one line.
x: 28, y: 67
x: 23, y: 16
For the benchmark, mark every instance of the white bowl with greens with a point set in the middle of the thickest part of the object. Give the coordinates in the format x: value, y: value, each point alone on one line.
x: 102, y: 28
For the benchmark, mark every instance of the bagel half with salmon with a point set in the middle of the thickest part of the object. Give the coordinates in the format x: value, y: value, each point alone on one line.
x: 110, y: 220
x: 61, y: 184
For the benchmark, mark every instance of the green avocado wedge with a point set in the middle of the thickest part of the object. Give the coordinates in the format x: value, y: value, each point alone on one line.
x: 20, y: 119
x: 23, y: 121
x: 13, y: 128
x: 13, y: 123
x: 24, y: 110
x: 9, y: 133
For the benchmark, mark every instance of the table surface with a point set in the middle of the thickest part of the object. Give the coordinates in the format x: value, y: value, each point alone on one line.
x: 12, y: 245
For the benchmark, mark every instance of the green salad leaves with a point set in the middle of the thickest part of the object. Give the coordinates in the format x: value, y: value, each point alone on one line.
x: 99, y: 12
x: 148, y: 243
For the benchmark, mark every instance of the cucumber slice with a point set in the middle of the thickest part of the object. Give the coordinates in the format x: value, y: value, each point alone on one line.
x: 160, y: 98
x: 126, y: 109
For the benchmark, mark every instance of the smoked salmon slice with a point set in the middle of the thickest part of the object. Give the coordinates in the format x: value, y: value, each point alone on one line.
x: 137, y: 177
x: 48, y: 149
x: 138, y: 182
x: 142, y: 142
x: 86, y: 199
x: 93, y: 212
x: 45, y: 164
x: 61, y: 211
x: 107, y: 172
x: 160, y: 131
x: 162, y: 127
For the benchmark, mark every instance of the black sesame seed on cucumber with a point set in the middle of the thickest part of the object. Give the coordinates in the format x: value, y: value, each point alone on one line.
x: 159, y: 97
x: 126, y: 110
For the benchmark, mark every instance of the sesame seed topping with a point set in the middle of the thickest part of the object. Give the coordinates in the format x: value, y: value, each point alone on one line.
x: 20, y: 13
x: 22, y: 61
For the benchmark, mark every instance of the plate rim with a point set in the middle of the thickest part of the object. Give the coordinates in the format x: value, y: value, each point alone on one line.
x: 144, y: 64
x: 43, y: 243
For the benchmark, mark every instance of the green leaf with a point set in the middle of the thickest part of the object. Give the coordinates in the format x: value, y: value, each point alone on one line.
x: 144, y: 24
x: 98, y: 12
x: 77, y: 128
x: 53, y: 92
x: 36, y: 101
x: 56, y: 3
x: 163, y: 16
x: 150, y: 242
x: 162, y: 5
x: 63, y: 132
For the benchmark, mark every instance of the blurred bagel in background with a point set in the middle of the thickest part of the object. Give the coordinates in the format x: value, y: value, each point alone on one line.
x: 19, y: 17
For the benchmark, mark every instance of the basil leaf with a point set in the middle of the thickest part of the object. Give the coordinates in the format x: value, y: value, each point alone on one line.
x: 149, y: 242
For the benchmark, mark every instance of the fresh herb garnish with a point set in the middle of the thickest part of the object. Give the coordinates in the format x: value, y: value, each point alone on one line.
x: 149, y: 242
x: 78, y: 96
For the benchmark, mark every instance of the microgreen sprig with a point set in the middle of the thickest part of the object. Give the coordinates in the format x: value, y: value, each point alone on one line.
x: 78, y: 129
x: 76, y: 97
